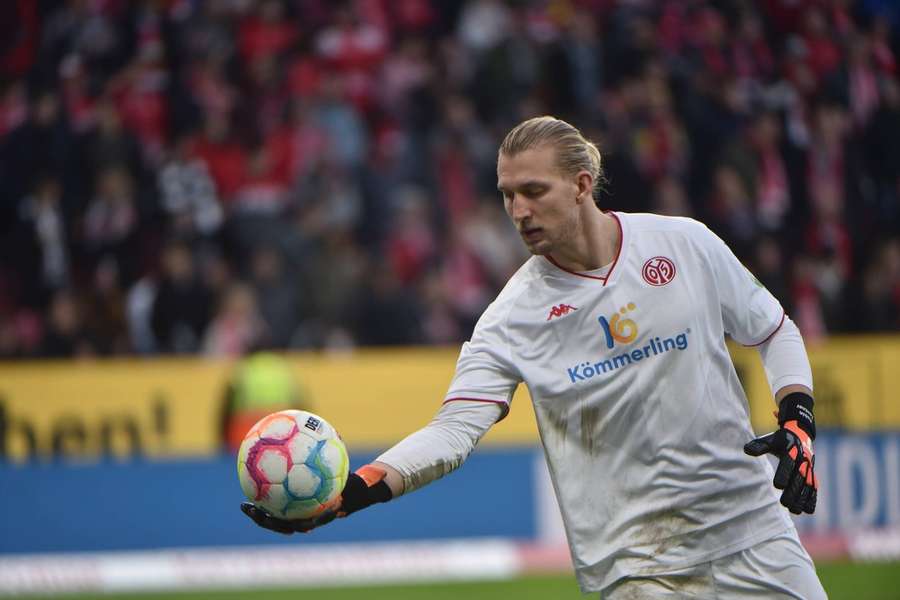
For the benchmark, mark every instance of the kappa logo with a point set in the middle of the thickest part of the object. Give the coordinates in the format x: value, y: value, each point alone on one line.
x: 560, y: 310
x: 659, y: 270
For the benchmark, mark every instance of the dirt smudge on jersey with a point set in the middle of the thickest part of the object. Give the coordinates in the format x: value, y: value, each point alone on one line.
x: 692, y: 586
x: 662, y: 586
x: 662, y: 529
x: 559, y: 425
x: 590, y: 421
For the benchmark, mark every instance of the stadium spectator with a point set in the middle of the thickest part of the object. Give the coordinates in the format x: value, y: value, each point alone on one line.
x: 278, y: 295
x: 181, y: 304
x: 769, y: 268
x: 335, y: 268
x: 110, y: 223
x: 878, y: 305
x: 41, y: 243
x: 42, y: 144
x: 66, y: 335
x: 237, y: 326
x: 107, y: 143
x: 105, y: 310
x: 224, y: 157
x: 385, y: 313
x: 188, y: 194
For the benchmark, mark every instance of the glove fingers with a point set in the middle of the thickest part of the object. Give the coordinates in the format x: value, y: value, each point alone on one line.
x: 759, y: 446
x: 265, y: 520
x: 278, y: 526
x: 253, y: 512
x: 787, y: 468
x: 791, y: 495
x: 812, y: 482
x: 810, y: 506
x: 803, y: 497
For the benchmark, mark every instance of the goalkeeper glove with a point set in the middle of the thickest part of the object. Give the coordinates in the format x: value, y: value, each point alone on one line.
x: 364, y: 488
x: 792, y: 444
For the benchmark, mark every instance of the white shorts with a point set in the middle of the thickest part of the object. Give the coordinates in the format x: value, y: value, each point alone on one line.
x: 776, y: 568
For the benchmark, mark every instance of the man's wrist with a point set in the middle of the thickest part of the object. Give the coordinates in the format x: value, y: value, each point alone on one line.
x: 364, y: 488
x: 798, y: 407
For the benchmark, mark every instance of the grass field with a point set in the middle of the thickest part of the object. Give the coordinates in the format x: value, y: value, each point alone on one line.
x: 842, y: 581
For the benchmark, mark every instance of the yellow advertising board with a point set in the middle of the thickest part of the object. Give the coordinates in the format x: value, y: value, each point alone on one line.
x: 172, y: 407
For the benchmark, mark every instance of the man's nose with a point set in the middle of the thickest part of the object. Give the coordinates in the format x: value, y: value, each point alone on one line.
x: 519, y: 210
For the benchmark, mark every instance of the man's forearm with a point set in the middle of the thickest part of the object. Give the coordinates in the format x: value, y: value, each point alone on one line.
x: 786, y: 363
x: 438, y: 448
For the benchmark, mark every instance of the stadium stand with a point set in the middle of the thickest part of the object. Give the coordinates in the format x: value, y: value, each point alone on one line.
x: 211, y: 177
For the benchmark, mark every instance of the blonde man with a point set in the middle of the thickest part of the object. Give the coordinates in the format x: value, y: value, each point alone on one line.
x: 617, y: 326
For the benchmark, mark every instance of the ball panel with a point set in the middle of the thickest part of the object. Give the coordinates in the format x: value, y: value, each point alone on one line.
x: 275, y: 500
x: 332, y: 459
x: 277, y: 426
x: 250, y: 440
x: 303, y: 482
x: 329, y: 490
x: 248, y: 485
x: 252, y: 466
x: 301, y: 447
x: 272, y: 462
x: 333, y: 462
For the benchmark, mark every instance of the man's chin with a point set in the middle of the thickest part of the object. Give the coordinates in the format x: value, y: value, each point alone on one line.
x: 540, y: 248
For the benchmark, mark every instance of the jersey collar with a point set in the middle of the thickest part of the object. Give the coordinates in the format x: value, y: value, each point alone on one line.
x: 611, y: 274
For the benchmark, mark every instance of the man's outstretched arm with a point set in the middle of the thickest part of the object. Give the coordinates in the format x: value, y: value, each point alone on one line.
x: 426, y: 455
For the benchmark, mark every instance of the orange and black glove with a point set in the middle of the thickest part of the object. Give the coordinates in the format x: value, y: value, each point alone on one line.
x: 792, y: 444
x: 364, y: 488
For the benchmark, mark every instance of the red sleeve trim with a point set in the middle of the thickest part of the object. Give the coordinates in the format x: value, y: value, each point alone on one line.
x: 769, y: 337
x: 505, y: 405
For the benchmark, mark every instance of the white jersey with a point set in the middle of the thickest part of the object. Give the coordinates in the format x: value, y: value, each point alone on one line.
x: 640, y: 411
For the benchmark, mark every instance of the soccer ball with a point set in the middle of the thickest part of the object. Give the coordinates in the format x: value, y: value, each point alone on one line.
x: 292, y: 463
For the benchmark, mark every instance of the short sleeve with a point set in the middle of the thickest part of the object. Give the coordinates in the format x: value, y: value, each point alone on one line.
x: 485, y: 371
x: 750, y: 313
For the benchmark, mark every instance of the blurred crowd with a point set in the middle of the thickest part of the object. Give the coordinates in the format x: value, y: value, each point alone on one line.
x: 199, y: 176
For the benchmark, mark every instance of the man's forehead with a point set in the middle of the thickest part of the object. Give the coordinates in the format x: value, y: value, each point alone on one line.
x: 531, y: 165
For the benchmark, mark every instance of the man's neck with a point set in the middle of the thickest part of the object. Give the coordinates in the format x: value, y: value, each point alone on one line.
x: 595, y: 245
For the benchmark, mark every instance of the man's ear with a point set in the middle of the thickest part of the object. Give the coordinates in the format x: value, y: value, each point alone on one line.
x: 585, y: 183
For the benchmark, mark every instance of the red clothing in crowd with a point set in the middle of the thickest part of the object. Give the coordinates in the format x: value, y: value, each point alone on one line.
x: 225, y: 162
x: 258, y: 38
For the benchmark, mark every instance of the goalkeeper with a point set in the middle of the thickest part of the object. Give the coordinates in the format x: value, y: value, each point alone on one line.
x: 617, y: 326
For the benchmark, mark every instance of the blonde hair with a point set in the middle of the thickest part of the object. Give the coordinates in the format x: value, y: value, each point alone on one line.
x: 574, y: 152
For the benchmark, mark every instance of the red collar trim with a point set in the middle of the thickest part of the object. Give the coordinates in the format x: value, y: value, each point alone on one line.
x: 615, y: 261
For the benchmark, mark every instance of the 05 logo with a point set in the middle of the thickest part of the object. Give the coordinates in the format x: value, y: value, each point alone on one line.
x: 658, y: 271
x: 619, y: 329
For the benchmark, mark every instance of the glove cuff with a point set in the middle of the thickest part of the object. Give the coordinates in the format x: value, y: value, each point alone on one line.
x: 798, y: 407
x: 364, y: 488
